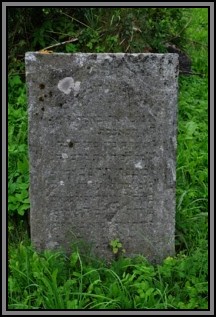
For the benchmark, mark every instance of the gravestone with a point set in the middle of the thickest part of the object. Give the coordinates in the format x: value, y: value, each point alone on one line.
x: 102, y: 147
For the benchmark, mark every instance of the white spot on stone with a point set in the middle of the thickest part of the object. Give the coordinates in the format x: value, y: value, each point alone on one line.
x: 52, y: 244
x: 150, y: 112
x: 80, y: 59
x: 160, y: 186
x: 103, y: 56
x: 174, y: 142
x: 139, y: 165
x: 171, y: 166
x: 74, y: 125
x: 106, y: 91
x: 109, y: 58
x: 66, y: 84
x: 162, y: 149
x: 89, y: 182
x: 30, y: 57
x: 76, y: 87
x: 64, y: 156
x: 100, y: 57
x: 124, y: 191
x: 61, y: 183
x: 174, y: 175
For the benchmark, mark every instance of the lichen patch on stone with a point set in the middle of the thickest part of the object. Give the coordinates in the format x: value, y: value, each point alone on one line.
x: 66, y: 84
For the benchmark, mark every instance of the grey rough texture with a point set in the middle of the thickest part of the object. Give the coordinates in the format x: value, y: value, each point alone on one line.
x: 102, y: 146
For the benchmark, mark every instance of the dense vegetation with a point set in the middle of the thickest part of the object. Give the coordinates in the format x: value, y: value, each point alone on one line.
x: 54, y: 281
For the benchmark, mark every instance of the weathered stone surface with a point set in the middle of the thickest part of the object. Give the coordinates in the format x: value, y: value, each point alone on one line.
x: 102, y: 144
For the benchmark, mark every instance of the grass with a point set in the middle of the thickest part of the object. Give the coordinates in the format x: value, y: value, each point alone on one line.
x: 192, y: 159
x: 51, y: 280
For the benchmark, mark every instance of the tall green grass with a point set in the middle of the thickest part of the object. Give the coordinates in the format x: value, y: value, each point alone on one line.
x: 192, y: 158
x: 53, y: 281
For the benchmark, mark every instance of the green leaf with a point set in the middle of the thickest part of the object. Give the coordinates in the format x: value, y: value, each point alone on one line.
x: 22, y: 209
x: 77, y: 274
x: 191, y: 127
x: 22, y: 196
x: 74, y: 258
x: 23, y: 186
x: 23, y: 166
x: 12, y: 199
x: 71, y: 48
x: 115, y: 250
x: 12, y: 207
x: 72, y: 304
x: 89, y: 45
x: 15, y: 80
